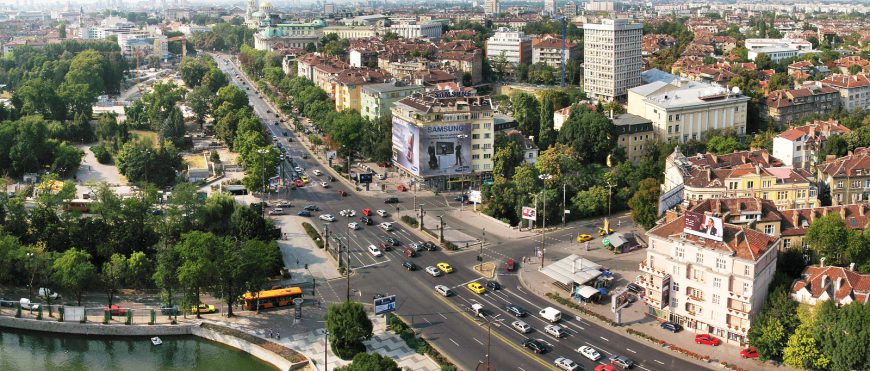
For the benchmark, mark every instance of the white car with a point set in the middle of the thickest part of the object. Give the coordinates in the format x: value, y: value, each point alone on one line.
x: 589, y: 352
x: 381, y: 212
x: 297, y: 169
x: 276, y: 211
x: 375, y: 250
x: 435, y: 272
x: 351, y: 213
x: 353, y: 225
x: 327, y: 217
x: 386, y: 226
x: 521, y: 327
x: 417, y: 246
x: 324, y: 184
x: 555, y: 330
x: 566, y: 364
x: 317, y: 172
x: 443, y: 290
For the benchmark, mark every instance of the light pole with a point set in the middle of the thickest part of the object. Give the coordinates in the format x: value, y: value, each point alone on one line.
x: 564, y: 204
x: 545, y: 178
x: 422, y: 215
x: 346, y: 248
x: 31, y: 255
x: 441, y: 229
x: 325, y: 350
x: 460, y: 137
x: 263, y: 153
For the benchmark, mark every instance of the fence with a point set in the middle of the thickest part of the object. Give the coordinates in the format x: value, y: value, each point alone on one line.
x: 65, y: 313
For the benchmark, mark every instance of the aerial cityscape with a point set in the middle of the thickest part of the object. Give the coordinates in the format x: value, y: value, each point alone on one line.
x: 419, y: 185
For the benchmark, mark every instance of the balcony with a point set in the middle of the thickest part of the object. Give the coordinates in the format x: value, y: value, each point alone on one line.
x: 734, y: 295
x: 644, y: 267
x: 738, y: 313
x: 647, y: 284
x: 695, y: 297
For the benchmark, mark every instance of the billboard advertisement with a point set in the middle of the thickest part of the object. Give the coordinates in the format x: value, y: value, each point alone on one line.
x: 432, y: 150
x: 529, y: 213
x: 385, y: 304
x: 703, y: 226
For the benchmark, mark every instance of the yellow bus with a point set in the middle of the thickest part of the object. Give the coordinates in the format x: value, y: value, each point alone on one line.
x: 79, y: 204
x: 271, y: 298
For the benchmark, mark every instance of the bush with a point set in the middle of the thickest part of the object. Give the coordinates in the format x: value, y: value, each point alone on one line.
x: 312, y: 232
x: 419, y: 345
x: 102, y: 154
x: 451, y: 246
x: 410, y: 220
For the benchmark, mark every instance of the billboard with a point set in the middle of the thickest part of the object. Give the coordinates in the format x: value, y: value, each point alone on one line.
x: 703, y: 225
x: 474, y: 196
x: 432, y: 150
x: 529, y: 213
x: 385, y: 304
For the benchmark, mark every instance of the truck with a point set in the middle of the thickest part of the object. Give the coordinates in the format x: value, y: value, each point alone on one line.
x: 550, y: 314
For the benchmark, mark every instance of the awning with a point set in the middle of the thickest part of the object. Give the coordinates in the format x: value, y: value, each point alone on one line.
x: 572, y: 270
x: 586, y: 292
x: 603, y: 291
x: 615, y: 240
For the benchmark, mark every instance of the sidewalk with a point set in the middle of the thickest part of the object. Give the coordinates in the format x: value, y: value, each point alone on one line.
x: 298, y: 250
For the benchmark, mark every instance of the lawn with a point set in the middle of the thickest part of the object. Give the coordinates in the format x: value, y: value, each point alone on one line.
x: 142, y: 134
x: 195, y: 161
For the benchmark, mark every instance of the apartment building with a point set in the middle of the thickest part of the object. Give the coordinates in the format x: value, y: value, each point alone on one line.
x: 847, y: 177
x: 787, y: 187
x: 684, y: 110
x: 797, y: 44
x: 415, y: 30
x: 353, y: 32
x: 800, y: 146
x: 550, y: 51
x: 776, y: 53
x: 854, y: 90
x: 612, y: 58
x: 514, y: 46
x: 376, y: 100
x: 491, y: 7
x: 550, y: 7
x: 710, y: 282
x: 633, y: 133
x: 785, y: 106
x: 349, y: 83
x: 441, y: 137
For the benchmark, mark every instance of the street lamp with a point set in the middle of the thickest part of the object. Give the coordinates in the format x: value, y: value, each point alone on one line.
x: 32, y: 275
x: 263, y: 152
x: 460, y: 137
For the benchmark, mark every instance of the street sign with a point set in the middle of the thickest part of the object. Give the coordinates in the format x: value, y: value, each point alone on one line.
x: 474, y: 196
x: 331, y: 155
x: 529, y: 213
x: 385, y: 304
x: 364, y: 178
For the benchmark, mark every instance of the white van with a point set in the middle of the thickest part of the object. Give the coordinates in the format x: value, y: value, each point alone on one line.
x: 551, y: 314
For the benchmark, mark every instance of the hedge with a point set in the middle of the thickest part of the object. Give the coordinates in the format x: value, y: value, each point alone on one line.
x: 315, y: 236
x: 410, y: 220
x: 419, y: 345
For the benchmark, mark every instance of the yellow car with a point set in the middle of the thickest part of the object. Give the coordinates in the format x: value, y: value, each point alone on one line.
x: 583, y: 237
x: 203, y: 309
x: 304, y: 178
x: 604, y: 232
x: 476, y: 288
x: 444, y: 267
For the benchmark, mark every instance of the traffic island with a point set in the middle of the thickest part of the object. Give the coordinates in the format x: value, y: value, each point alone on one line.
x: 486, y: 269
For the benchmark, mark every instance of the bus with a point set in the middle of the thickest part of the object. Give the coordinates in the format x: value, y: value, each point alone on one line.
x: 79, y: 204
x: 271, y: 298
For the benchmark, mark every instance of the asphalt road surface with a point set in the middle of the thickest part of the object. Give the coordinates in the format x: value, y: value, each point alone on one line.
x: 445, y: 321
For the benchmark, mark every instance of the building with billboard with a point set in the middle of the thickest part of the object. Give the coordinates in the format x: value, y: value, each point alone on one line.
x: 444, y: 138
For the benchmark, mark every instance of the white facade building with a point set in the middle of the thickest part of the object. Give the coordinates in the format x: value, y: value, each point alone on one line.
x: 425, y: 30
x: 797, y: 44
x: 491, y: 7
x: 799, y: 146
x: 854, y: 90
x: 776, y: 53
x: 612, y: 58
x: 514, y: 45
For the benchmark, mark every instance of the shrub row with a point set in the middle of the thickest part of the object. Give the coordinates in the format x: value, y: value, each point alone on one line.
x: 315, y: 236
x: 419, y: 345
x: 410, y: 220
x: 451, y: 246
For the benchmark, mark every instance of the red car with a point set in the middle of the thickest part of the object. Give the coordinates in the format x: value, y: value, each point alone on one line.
x: 116, y: 310
x: 510, y: 265
x: 601, y: 367
x: 298, y: 182
x: 401, y: 188
x: 367, y: 212
x: 750, y: 352
x: 706, y: 339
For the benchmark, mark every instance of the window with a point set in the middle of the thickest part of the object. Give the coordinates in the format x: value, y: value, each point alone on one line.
x: 698, y: 274
x: 676, y: 128
x: 487, y: 146
x: 677, y: 117
x: 675, y: 286
x: 670, y: 117
x: 839, y: 184
x: 717, y: 282
x: 781, y: 195
x: 715, y: 299
x: 768, y: 229
x: 699, y: 258
x: 746, y: 270
x: 680, y: 252
x: 746, y: 288
x: 737, y: 109
x: 487, y: 125
x: 674, y: 302
x: 486, y: 135
x: 750, y: 184
x: 786, y: 243
x: 475, y: 136
x: 670, y: 129
x: 676, y: 270
x: 487, y: 155
x: 720, y: 263
x: 475, y: 126
x: 765, y: 184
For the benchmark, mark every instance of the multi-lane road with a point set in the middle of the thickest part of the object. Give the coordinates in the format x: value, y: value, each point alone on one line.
x: 446, y: 322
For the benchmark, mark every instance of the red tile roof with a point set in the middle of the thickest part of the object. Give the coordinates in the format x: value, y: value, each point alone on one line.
x: 838, y: 282
x: 847, y: 81
x: 744, y: 242
x: 857, y: 161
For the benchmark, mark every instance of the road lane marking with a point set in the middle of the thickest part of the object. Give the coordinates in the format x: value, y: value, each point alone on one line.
x: 453, y: 341
x: 442, y: 316
x: 659, y: 362
x: 427, y: 320
x: 639, y: 366
x: 581, y: 327
x: 478, y: 341
x: 629, y: 349
x: 603, y: 338
x: 466, y: 283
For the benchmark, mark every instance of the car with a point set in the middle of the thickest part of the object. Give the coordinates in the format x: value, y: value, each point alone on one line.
x: 367, y: 212
x: 555, y: 330
x: 566, y: 364
x: 324, y: 184
x: 444, y: 267
x: 297, y: 169
x: 510, y: 265
x: 116, y: 310
x: 382, y: 213
x: 277, y: 211
x: 366, y: 220
x: 353, y: 225
x: 25, y: 303
x: 327, y: 217
x: 331, y: 178
x: 417, y: 246
x: 633, y: 287
x: 312, y: 208
x: 435, y: 272
x: 393, y: 241
x: 589, y: 352
x: 493, y: 285
x: 346, y: 212
x: 672, y: 327
x: 382, y: 176
x: 621, y: 361
x: 7, y: 302
x: 461, y: 198
x: 386, y: 226
x: 601, y: 367
x: 409, y: 252
x: 476, y: 288
x: 169, y: 310
x: 443, y: 290
x: 391, y: 200
x: 750, y: 352
x: 317, y: 172
x: 516, y: 310
x: 583, y: 237
x: 386, y: 247
x: 304, y: 178
x: 707, y: 339
x: 203, y: 309
x: 375, y: 251
x: 351, y: 213
x: 430, y: 246
x: 48, y: 293
x: 283, y: 203
x: 604, y: 232
x: 521, y: 327
x: 274, y: 138
x: 536, y: 346
x: 298, y: 183
x: 409, y: 265
x: 304, y: 213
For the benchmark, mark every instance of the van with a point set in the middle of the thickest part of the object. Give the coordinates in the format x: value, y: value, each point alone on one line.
x: 409, y: 252
x: 551, y: 314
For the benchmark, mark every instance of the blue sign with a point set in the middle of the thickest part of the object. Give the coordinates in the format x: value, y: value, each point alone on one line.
x: 385, y: 304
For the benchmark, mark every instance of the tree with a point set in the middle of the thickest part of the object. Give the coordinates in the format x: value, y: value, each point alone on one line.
x: 527, y: 113
x: 140, y: 268
x: 763, y: 61
x: 112, y: 276
x: 200, y: 99
x: 591, y: 202
x: 507, y: 158
x: 722, y: 144
x: 248, y: 223
x: 166, y: 273
x: 66, y: 160
x: 197, y: 262
x: 348, y: 327
x: 825, y: 237
x: 74, y: 272
x: 773, y: 324
x: 192, y: 70
x: 779, y: 81
x: 644, y: 203
x: 370, y: 362
x: 842, y: 334
x: 802, y: 351
x: 547, y: 135
x: 854, y: 69
x: 591, y: 134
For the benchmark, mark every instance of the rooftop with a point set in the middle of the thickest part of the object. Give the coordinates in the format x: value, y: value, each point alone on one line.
x: 740, y: 241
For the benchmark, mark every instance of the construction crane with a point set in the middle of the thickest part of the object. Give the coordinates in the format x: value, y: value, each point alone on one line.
x: 158, y: 41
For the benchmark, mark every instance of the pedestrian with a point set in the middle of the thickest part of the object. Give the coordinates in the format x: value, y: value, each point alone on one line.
x: 278, y: 335
x: 269, y: 333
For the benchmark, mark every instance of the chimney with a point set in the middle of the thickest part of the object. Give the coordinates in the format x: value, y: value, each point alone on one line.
x: 822, y: 262
x: 852, y: 266
x: 743, y: 158
x: 861, y: 210
x: 611, y: 113
x: 812, y: 216
x: 715, y: 158
x: 765, y: 156
x: 843, y: 212
x: 757, y: 169
x: 795, y: 218
x: 812, y: 131
x: 709, y: 174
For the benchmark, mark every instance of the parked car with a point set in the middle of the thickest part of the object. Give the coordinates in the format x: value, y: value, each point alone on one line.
x: 516, y: 310
x: 375, y: 251
x: 621, y: 361
x: 434, y: 272
x: 116, y: 310
x: 521, y: 327
x: 443, y: 290
x: 555, y: 330
x: 27, y: 304
x: 672, y: 327
x: 566, y: 364
x: 7, y: 302
x: 304, y: 213
x: 276, y: 211
x: 589, y: 352
x: 536, y: 346
x: 168, y: 310
x: 707, y: 339
x: 409, y: 265
x: 203, y: 309
x: 633, y: 287
x: 48, y: 293
x: 750, y: 352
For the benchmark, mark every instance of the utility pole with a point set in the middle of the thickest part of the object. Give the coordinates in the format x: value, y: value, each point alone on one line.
x: 441, y: 229
x: 347, y: 270
x: 422, y: 214
x: 326, y: 237
x: 564, y: 205
x: 543, y: 233
x: 325, y: 351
